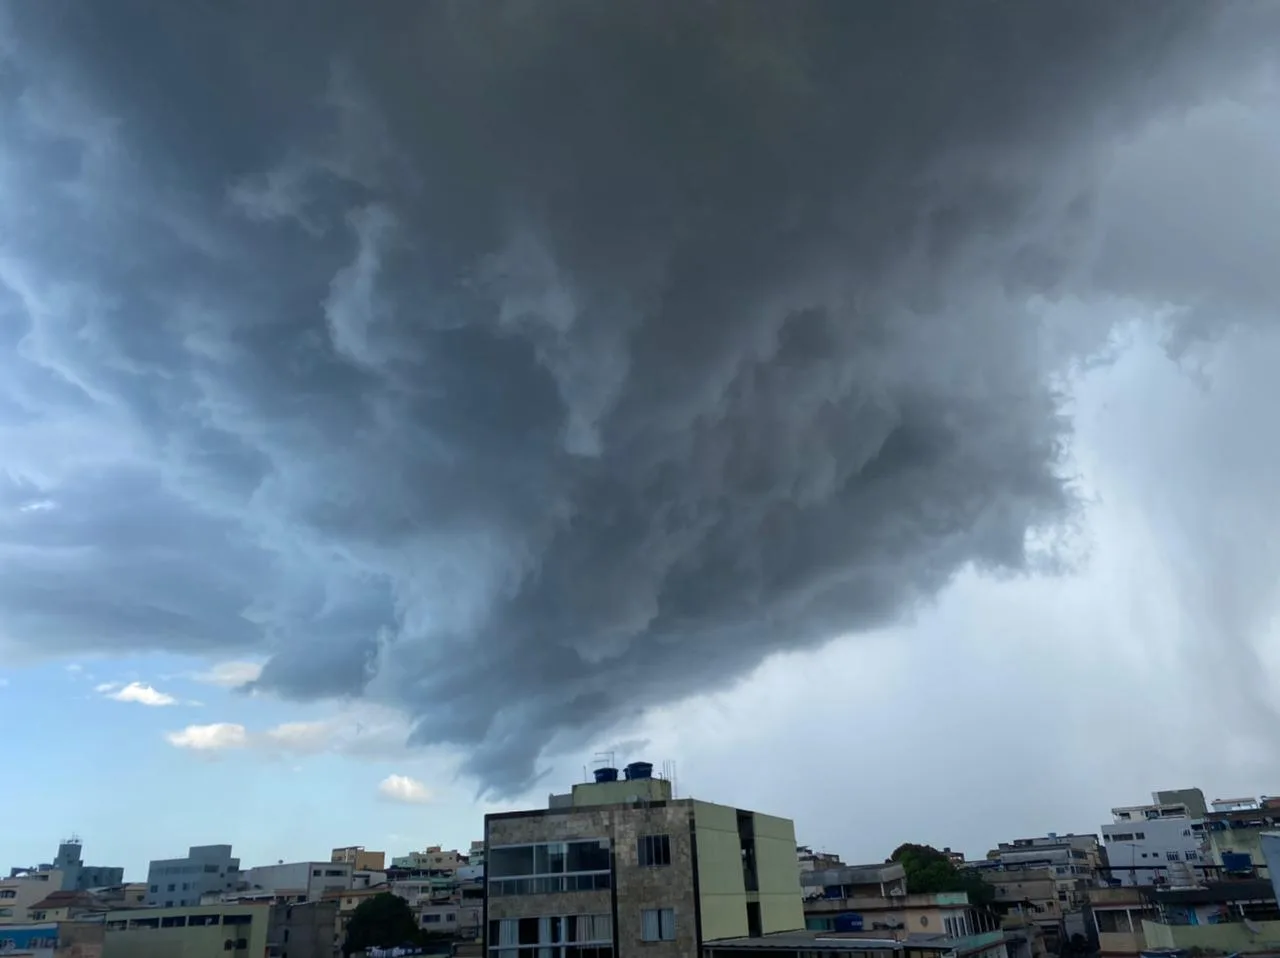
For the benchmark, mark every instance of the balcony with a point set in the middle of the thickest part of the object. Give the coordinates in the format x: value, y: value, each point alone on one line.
x: 1225, y: 938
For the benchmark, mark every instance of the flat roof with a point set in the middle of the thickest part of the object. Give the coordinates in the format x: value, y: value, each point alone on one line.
x: 837, y: 941
x: 806, y: 941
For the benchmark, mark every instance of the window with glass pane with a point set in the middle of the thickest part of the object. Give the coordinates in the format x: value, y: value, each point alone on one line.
x: 658, y: 924
x: 586, y: 857
x: 653, y: 850
x: 513, y: 860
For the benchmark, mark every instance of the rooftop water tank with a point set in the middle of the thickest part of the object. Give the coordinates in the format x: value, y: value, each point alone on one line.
x: 606, y: 774
x: 637, y: 770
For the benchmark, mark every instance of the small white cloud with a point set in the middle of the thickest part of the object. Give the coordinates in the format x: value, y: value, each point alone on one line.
x: 138, y: 692
x: 38, y: 505
x: 402, y: 788
x: 230, y: 674
x: 74, y: 667
x: 210, y: 738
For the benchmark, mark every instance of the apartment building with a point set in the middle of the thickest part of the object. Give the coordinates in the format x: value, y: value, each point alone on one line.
x: 1118, y: 913
x: 809, y: 860
x: 1232, y: 836
x: 22, y: 890
x: 182, y: 882
x: 872, y: 900
x: 1074, y: 864
x: 75, y: 874
x: 297, y: 881
x: 359, y: 859
x: 620, y: 867
x: 1158, y: 843
x: 433, y: 858
x: 303, y: 930
x: 200, y: 931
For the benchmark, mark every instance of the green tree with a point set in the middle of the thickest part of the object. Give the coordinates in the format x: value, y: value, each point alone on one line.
x: 930, y: 871
x: 382, y: 921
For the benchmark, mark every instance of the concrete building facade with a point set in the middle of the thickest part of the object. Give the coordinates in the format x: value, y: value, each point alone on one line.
x: 1232, y: 837
x: 301, y: 881
x: 19, y: 892
x: 359, y: 859
x: 182, y: 882
x: 623, y: 869
x: 1159, y: 843
x: 201, y: 931
x: 76, y: 875
x: 303, y: 930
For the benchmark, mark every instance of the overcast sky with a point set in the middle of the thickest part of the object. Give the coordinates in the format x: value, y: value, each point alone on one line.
x: 869, y: 408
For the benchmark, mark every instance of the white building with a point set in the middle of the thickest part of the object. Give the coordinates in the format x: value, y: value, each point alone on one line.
x: 303, y: 881
x: 180, y: 882
x: 1157, y: 844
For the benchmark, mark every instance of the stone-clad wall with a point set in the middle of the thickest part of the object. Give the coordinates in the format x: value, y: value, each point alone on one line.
x: 636, y: 887
x: 669, y: 886
x: 530, y: 829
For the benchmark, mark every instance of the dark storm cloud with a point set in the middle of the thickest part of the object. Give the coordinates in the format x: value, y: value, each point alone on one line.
x: 525, y: 365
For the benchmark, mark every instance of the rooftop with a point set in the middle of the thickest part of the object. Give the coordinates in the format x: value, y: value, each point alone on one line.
x: 854, y: 875
x: 805, y: 941
x: 836, y: 941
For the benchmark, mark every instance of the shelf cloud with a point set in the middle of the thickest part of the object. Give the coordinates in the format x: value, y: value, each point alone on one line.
x: 520, y: 367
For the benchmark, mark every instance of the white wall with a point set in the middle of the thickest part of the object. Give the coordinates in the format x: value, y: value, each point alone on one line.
x: 301, y: 877
x: 1149, y: 855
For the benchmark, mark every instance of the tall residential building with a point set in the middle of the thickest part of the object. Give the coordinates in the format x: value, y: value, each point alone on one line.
x: 180, y: 882
x: 620, y: 867
x: 359, y: 859
x: 1159, y: 843
x: 76, y: 875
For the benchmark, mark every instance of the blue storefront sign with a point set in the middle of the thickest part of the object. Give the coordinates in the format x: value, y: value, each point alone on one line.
x: 27, y: 938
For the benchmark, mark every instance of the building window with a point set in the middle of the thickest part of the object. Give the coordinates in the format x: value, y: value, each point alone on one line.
x: 549, y: 884
x: 315, y: 873
x: 548, y: 858
x: 1140, y: 836
x: 1191, y: 856
x: 658, y: 924
x: 549, y: 868
x: 575, y: 931
x: 1171, y: 856
x: 653, y: 850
